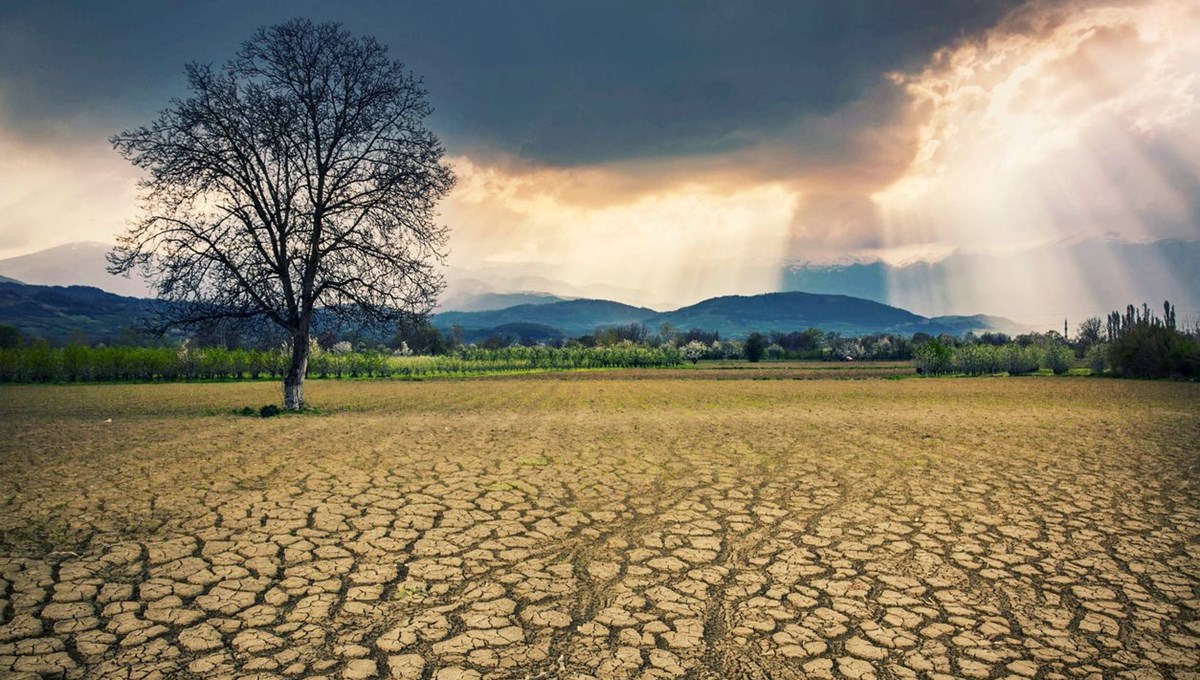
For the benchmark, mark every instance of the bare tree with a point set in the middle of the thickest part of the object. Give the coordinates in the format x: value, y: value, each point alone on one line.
x: 299, y: 177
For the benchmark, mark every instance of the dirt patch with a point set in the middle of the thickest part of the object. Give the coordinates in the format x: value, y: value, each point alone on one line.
x: 614, y: 528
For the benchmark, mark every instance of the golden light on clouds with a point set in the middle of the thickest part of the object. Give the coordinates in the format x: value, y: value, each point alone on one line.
x: 1068, y: 120
x: 1051, y: 126
x: 55, y: 194
x: 1038, y: 129
x: 677, y: 242
x: 1063, y: 123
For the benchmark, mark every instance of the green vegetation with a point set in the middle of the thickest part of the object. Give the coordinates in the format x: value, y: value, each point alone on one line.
x: 1143, y: 345
x: 1133, y: 344
x: 936, y: 357
x: 756, y: 347
x: 78, y: 363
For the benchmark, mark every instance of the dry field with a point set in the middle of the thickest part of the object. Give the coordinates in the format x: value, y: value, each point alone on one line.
x: 606, y: 527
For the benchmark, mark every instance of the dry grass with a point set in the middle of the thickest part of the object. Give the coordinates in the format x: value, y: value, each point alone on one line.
x: 173, y: 442
x: 1054, y: 471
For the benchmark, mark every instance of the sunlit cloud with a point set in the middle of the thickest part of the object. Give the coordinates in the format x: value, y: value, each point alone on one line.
x: 52, y: 193
x: 681, y: 242
x: 1061, y: 123
x: 1068, y: 120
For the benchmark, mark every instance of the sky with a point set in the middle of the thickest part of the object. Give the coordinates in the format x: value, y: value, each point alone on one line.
x: 665, y: 152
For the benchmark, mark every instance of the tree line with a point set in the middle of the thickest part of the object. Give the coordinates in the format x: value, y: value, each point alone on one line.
x: 40, y: 363
x: 1135, y: 343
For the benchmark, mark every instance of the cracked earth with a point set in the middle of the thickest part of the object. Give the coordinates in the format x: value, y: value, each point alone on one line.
x: 603, y: 528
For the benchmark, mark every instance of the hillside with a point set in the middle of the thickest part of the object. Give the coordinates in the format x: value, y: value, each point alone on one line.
x: 737, y: 315
x: 572, y: 317
x: 55, y: 312
x: 72, y: 264
x: 732, y: 316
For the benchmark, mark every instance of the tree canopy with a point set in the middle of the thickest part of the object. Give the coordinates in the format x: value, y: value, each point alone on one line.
x: 298, y: 177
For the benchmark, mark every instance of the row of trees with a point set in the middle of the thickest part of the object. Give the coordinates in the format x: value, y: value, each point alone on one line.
x: 1136, y: 343
x: 1140, y: 344
x: 935, y: 358
x: 77, y: 363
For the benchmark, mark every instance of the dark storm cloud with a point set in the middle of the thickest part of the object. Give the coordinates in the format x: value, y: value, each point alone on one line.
x: 563, y: 83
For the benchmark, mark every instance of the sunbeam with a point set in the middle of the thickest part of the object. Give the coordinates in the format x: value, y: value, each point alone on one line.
x: 1059, y: 124
x: 681, y: 243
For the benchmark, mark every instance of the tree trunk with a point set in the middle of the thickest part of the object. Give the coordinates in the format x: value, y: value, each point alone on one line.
x: 293, y: 384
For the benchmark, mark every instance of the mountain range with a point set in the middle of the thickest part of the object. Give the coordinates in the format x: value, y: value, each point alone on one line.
x: 732, y: 316
x: 1039, y: 285
x: 59, y: 313
x: 1082, y: 278
x: 852, y: 298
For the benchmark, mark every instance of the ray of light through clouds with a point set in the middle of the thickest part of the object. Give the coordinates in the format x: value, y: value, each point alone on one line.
x: 1063, y: 122
x: 682, y: 242
x: 682, y: 153
x: 54, y: 192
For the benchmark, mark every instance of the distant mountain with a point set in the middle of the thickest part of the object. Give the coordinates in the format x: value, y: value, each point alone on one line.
x: 488, y: 302
x: 1084, y: 278
x: 982, y: 323
x: 55, y: 312
x: 738, y: 315
x: 73, y: 264
x: 572, y: 317
x: 5, y: 279
x: 732, y: 316
x: 1040, y: 285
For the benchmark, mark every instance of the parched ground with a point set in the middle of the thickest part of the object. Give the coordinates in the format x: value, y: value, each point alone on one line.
x: 604, y: 528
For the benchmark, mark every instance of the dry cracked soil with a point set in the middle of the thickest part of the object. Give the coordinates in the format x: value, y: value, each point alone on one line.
x: 603, y: 528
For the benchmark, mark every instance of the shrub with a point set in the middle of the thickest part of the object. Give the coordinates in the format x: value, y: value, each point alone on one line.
x: 1020, y: 360
x: 1058, y: 358
x: 269, y: 411
x: 932, y: 357
x: 1097, y: 358
x: 977, y: 360
x: 693, y: 351
x: 756, y: 347
x: 1154, y: 351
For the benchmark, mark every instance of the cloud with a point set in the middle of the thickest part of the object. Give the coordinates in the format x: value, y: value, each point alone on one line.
x: 682, y: 241
x: 689, y: 153
x: 558, y: 84
x: 56, y: 193
x: 1058, y: 122
x: 1064, y: 122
